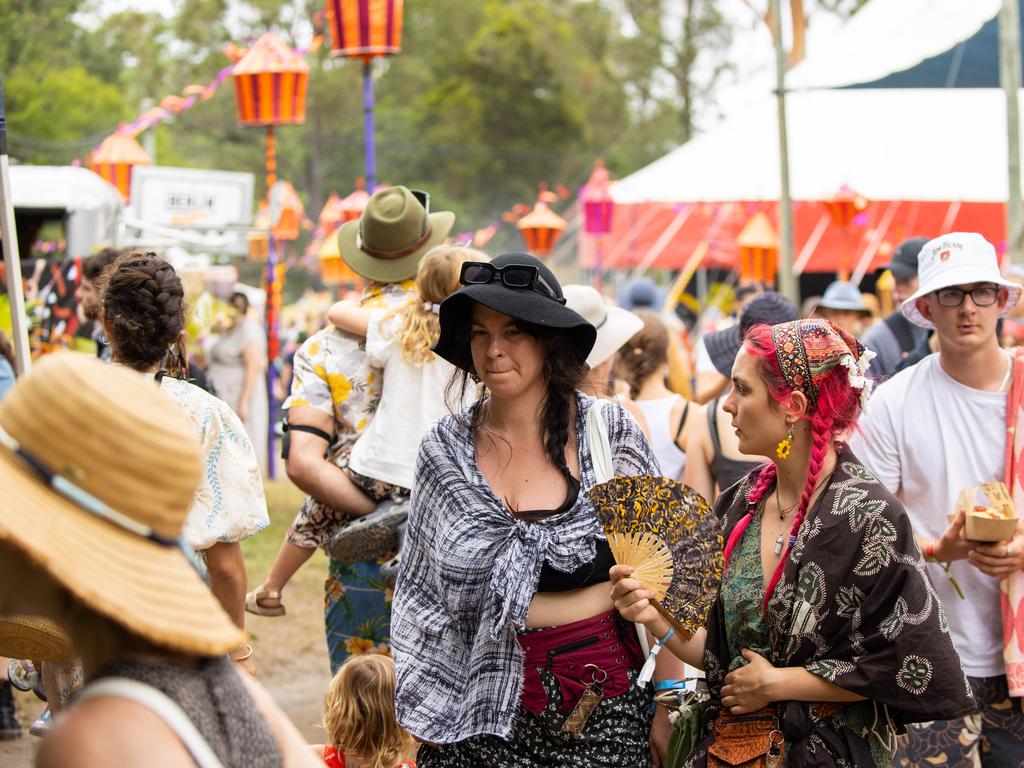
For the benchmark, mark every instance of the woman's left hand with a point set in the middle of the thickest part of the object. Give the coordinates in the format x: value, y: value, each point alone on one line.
x: 747, y: 689
x: 660, y: 730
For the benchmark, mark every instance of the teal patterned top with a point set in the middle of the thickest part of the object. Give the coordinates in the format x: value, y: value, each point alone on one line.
x: 742, y: 595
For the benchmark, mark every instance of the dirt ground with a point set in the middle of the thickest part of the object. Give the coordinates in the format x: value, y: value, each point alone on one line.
x: 290, y: 653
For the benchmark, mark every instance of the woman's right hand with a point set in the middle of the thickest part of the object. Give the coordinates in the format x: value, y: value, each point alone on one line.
x: 632, y: 599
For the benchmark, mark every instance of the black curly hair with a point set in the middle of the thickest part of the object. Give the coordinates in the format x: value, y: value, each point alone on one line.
x: 143, y: 305
x: 563, y: 370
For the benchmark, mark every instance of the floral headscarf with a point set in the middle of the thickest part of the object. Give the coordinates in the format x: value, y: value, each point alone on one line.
x: 808, y: 350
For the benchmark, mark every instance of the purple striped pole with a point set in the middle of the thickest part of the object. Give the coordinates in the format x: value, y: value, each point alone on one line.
x: 369, y: 144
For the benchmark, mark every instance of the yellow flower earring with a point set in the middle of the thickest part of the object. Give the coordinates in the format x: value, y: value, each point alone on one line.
x: 785, y: 446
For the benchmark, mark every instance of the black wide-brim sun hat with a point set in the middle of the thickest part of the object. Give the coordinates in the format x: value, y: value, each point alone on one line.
x: 527, y: 304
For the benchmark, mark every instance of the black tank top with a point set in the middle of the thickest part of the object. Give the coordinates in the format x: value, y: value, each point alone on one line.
x: 594, y: 572
x: 726, y: 471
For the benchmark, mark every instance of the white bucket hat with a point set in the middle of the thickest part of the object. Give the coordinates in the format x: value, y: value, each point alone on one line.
x: 959, y: 258
x: 615, y: 326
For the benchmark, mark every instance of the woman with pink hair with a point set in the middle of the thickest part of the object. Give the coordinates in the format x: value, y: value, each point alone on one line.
x: 826, y: 635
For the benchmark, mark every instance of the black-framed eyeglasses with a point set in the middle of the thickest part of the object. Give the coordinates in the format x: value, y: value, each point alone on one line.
x: 982, y: 296
x: 521, y: 276
x: 85, y: 501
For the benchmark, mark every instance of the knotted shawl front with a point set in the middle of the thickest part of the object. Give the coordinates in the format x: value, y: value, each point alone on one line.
x: 469, y: 571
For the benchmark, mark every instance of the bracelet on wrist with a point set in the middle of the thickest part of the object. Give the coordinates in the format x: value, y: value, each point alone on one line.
x: 244, y: 654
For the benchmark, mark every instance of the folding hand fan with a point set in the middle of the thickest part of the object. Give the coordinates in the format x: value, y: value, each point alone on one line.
x: 670, y: 535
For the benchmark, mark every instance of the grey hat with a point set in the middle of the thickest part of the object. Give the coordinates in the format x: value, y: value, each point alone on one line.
x: 843, y: 296
x: 904, y: 258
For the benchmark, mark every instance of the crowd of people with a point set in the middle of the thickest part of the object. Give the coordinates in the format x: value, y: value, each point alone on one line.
x: 448, y: 429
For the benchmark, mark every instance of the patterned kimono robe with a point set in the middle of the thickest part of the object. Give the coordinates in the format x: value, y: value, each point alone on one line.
x: 854, y: 606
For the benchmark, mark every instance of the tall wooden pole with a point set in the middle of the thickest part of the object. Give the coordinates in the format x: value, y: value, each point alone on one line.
x: 1009, y: 79
x: 787, y: 279
x: 12, y: 259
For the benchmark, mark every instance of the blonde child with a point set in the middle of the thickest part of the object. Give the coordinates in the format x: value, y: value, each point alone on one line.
x: 382, y: 460
x: 359, y: 717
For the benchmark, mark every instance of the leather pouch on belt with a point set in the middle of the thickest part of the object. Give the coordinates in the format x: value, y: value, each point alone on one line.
x: 746, y: 741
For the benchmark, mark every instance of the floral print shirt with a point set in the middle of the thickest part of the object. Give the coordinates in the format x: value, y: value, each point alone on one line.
x: 331, y: 372
x: 230, y: 504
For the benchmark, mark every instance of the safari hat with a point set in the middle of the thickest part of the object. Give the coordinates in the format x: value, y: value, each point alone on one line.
x: 388, y: 240
x: 615, y: 326
x: 33, y: 637
x: 959, y: 258
x: 97, y: 473
x: 543, y: 306
x: 843, y: 296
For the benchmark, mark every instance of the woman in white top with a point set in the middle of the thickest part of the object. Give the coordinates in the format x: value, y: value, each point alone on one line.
x: 643, y: 364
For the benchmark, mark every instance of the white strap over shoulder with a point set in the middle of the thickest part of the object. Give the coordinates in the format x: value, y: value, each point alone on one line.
x: 597, y: 438
x: 162, y: 706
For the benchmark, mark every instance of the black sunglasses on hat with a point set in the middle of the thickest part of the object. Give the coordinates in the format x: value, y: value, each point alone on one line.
x: 521, y: 276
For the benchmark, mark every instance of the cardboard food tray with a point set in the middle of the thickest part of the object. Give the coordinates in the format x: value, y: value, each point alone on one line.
x: 995, y: 522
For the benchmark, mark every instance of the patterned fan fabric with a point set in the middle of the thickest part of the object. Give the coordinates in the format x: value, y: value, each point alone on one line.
x: 670, y: 535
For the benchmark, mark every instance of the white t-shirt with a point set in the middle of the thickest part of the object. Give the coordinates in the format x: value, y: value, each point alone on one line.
x: 411, y: 400
x: 927, y: 437
x: 702, y: 360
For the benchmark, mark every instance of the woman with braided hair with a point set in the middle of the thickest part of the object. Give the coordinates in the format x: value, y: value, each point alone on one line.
x: 143, y: 313
x: 507, y: 647
x: 826, y: 634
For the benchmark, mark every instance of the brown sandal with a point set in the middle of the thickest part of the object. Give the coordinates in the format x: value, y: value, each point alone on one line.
x: 252, y: 602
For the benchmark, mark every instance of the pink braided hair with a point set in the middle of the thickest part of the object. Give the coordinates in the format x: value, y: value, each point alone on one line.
x: 835, y: 413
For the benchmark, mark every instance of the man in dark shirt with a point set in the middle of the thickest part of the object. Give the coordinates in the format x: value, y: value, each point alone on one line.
x: 895, y: 338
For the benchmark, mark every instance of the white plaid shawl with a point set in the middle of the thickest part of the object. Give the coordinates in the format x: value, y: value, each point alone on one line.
x: 469, y: 571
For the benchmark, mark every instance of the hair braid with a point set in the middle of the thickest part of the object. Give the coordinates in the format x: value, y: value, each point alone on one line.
x: 764, y: 481
x: 143, y: 309
x: 821, y: 437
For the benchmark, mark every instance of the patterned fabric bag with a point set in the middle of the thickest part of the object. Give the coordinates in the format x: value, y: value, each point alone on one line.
x: 747, y: 741
x: 686, y: 733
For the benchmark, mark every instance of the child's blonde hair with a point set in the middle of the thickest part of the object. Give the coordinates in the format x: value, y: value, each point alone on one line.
x: 436, y: 279
x: 359, y: 711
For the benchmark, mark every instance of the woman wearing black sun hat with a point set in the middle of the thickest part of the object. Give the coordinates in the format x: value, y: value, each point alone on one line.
x: 503, y: 632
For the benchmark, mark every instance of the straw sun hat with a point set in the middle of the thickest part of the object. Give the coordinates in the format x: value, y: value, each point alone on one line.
x: 32, y: 637
x: 97, y: 474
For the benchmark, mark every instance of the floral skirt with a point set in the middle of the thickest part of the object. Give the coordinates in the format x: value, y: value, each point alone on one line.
x: 357, y: 611
x: 617, y: 735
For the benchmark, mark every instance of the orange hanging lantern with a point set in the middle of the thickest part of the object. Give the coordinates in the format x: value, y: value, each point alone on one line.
x: 289, y: 218
x: 333, y: 270
x: 759, y: 250
x: 330, y: 218
x: 114, y: 159
x: 365, y: 28
x: 270, y: 84
x: 541, y: 228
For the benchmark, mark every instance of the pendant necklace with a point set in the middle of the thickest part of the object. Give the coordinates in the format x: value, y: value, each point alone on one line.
x: 781, y: 538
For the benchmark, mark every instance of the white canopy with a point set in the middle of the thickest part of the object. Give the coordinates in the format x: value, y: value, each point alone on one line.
x: 90, y: 204
x: 922, y: 144
x: 888, y: 36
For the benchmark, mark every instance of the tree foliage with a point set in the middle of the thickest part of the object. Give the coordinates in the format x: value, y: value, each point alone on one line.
x: 487, y: 98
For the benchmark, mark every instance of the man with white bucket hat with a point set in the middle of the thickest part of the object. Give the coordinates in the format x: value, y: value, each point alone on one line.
x: 934, y: 430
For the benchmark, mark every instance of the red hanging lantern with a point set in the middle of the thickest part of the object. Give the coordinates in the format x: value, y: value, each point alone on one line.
x: 351, y: 207
x: 270, y: 84
x: 365, y: 28
x: 114, y: 159
x: 597, y: 202
x: 330, y: 218
x: 759, y: 250
x: 845, y: 207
